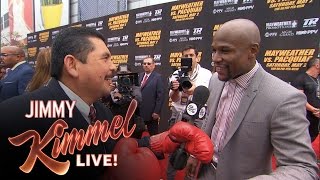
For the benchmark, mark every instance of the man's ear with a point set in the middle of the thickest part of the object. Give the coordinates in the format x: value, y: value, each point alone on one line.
x: 197, y: 59
x: 254, y: 50
x: 70, y: 65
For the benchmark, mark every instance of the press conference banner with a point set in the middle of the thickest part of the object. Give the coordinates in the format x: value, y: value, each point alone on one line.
x: 289, y: 31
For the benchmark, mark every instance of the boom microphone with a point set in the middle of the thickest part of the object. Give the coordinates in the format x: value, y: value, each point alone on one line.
x: 195, y: 110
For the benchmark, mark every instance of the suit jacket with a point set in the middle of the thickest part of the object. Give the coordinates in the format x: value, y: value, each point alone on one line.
x: 16, y: 81
x: 271, y: 119
x: 152, y: 95
x: 13, y: 123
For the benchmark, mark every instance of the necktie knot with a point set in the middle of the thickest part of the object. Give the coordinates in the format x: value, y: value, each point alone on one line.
x: 92, y: 114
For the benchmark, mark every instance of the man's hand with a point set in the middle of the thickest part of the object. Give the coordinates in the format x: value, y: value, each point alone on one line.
x: 117, y: 95
x: 175, y: 85
x: 174, y: 93
x: 316, y: 112
x: 192, y: 167
x: 190, y: 90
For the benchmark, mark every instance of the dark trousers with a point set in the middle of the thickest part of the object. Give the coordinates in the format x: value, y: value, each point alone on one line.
x: 171, y: 172
x: 153, y: 127
x: 314, y: 126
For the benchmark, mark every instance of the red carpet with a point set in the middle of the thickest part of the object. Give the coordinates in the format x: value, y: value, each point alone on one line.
x: 180, y: 174
x: 316, y: 147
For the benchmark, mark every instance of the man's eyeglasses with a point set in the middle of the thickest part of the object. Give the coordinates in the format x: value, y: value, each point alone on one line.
x: 5, y: 54
x: 147, y: 63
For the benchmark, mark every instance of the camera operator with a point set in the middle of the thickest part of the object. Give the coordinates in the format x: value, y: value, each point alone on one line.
x: 181, y: 94
x: 197, y: 76
x: 125, y: 89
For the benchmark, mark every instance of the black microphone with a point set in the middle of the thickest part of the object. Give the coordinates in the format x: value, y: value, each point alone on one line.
x: 195, y: 110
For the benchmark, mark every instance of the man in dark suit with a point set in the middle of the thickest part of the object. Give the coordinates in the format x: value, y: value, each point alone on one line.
x: 81, y: 72
x: 152, y: 90
x: 19, y: 73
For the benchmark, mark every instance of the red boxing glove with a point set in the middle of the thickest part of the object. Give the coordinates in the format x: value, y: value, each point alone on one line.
x: 197, y: 142
x: 133, y: 162
x: 161, y: 143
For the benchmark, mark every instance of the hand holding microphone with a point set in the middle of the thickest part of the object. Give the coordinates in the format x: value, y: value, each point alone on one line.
x: 195, y: 111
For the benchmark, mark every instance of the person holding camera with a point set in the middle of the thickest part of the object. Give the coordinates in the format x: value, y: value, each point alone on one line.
x: 152, y: 90
x: 196, y: 75
x: 182, y: 86
x: 125, y: 89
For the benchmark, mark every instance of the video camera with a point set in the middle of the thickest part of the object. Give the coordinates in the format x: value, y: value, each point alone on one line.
x: 125, y: 81
x: 182, y: 76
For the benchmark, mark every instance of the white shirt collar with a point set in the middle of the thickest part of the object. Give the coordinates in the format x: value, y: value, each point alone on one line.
x: 16, y: 65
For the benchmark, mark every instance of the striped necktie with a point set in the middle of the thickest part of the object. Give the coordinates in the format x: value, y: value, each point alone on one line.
x: 145, y: 78
x: 92, y: 114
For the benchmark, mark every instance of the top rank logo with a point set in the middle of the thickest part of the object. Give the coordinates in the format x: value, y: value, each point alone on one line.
x: 311, y: 22
x: 197, y: 31
x: 157, y: 12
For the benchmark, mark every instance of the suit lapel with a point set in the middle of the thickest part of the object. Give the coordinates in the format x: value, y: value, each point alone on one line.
x: 246, y: 101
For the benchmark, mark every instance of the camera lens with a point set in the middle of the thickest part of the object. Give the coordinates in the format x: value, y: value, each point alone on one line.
x: 185, y: 83
x: 126, y: 81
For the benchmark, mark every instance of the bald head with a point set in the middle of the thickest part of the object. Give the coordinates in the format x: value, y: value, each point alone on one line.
x: 234, y: 48
x: 243, y: 30
x: 11, y: 55
x: 14, y: 50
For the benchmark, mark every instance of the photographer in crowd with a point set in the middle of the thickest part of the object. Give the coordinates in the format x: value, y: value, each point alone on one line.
x: 196, y: 75
x: 125, y: 89
x: 182, y: 86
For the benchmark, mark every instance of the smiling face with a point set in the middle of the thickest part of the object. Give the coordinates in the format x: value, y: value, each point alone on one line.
x: 95, y: 75
x: 234, y: 49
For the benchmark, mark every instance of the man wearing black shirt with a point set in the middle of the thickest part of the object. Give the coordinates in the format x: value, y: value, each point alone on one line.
x: 308, y: 83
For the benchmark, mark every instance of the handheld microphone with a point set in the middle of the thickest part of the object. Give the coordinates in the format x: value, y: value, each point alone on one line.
x: 195, y: 110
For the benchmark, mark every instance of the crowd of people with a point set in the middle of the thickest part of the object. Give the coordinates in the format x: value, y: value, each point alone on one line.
x: 252, y: 115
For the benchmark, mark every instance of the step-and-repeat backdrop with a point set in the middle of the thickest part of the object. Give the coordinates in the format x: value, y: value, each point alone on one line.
x: 289, y: 31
